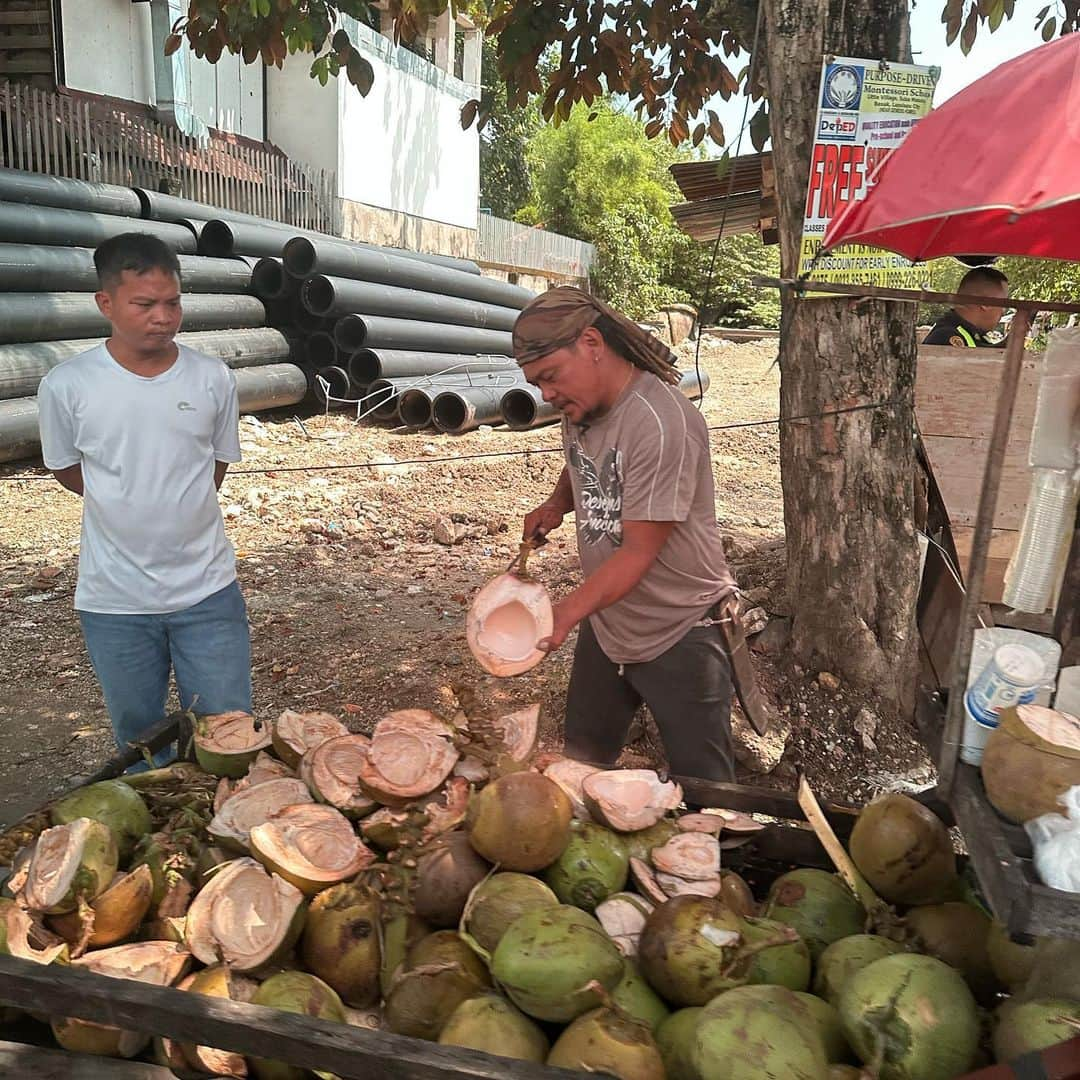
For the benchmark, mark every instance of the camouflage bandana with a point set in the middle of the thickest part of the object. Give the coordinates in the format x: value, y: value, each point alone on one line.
x: 557, y: 318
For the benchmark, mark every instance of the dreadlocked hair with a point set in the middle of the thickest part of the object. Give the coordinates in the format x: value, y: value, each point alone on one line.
x: 659, y: 361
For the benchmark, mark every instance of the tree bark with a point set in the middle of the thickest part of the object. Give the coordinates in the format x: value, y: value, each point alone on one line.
x: 847, y: 479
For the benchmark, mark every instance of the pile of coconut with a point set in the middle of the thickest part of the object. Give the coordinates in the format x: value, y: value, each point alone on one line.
x: 439, y: 880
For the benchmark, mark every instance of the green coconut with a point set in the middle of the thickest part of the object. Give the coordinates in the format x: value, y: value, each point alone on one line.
x: 440, y: 972
x: 688, y: 947
x: 340, y: 942
x: 634, y: 997
x: 816, y: 904
x: 675, y: 1038
x: 845, y: 1072
x: 604, y: 1041
x: 548, y: 958
x: 757, y: 1031
x: 785, y: 963
x: 1012, y: 962
x: 913, y: 1014
x: 592, y: 866
x: 839, y: 962
x: 1021, y: 1027
x: 71, y: 862
x: 1055, y: 972
x: 829, y: 1026
x: 520, y: 821
x: 400, y: 932
x: 497, y: 901
x: 300, y: 993
x: 490, y: 1023
x: 903, y: 850
x: 114, y: 804
x: 639, y: 845
x: 227, y: 743
x: 217, y: 982
x: 957, y: 933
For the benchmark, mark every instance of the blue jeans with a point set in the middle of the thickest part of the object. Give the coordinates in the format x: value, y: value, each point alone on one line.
x: 207, y: 646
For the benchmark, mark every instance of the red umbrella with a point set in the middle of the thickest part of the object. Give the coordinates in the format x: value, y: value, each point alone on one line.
x: 994, y: 169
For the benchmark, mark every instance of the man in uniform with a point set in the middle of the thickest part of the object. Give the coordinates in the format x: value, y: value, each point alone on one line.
x: 657, y: 587
x: 966, y: 326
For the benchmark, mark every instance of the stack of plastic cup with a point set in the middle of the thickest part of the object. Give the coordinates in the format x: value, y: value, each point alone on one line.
x: 1033, y: 570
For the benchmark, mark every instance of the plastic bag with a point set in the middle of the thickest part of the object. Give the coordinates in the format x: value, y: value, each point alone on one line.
x: 1056, y: 841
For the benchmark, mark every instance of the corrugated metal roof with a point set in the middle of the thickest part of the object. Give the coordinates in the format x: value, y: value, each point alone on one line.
x: 702, y: 218
x: 705, y: 180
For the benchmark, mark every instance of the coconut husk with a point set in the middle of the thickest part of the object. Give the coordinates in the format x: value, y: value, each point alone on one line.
x: 570, y: 775
x: 227, y: 743
x: 735, y: 821
x: 506, y: 620
x: 472, y: 769
x: 251, y: 806
x: 217, y: 982
x: 693, y: 856
x: 23, y: 936
x: 702, y: 823
x: 646, y: 881
x: 114, y: 915
x: 295, y: 733
x: 623, y: 918
x: 331, y: 770
x: 70, y: 863
x: 628, y: 800
x: 411, y: 754
x: 673, y: 885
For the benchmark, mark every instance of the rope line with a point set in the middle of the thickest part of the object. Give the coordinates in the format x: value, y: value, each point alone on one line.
x: 521, y: 453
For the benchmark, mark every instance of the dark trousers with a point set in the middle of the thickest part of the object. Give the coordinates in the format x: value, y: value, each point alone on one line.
x: 687, y: 689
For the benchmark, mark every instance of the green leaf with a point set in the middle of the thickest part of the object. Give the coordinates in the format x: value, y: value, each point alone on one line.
x: 759, y: 128
x: 1049, y: 28
x: 997, y: 13
x: 723, y: 165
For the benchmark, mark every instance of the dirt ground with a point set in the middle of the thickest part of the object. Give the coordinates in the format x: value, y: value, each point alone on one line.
x: 357, y: 608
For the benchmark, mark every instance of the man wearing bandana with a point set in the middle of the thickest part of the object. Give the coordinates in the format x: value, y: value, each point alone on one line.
x: 639, y: 481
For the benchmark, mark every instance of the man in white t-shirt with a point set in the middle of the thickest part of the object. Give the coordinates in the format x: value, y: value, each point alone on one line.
x: 144, y: 430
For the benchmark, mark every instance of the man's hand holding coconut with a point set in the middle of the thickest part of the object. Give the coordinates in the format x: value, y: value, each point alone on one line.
x: 639, y: 481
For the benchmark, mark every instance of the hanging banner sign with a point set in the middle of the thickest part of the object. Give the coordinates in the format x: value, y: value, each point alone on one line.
x: 865, y: 108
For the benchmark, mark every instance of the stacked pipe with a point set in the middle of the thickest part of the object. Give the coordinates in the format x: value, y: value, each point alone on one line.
x: 49, y: 227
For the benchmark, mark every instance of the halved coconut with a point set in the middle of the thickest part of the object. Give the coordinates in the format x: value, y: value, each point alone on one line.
x: 218, y: 982
x: 311, y: 846
x: 116, y: 913
x: 411, y: 754
x: 251, y: 806
x: 570, y: 775
x: 157, y: 963
x: 645, y: 880
x: 519, y: 731
x: 295, y: 733
x: 692, y: 856
x: 735, y: 821
x: 447, y: 809
x: 22, y: 936
x: 629, y: 799
x: 472, y: 769
x: 673, y: 885
x: 332, y: 771
x: 623, y: 918
x: 244, y: 917
x: 385, y: 828
x: 509, y: 616
x: 70, y: 862
x: 262, y: 769
x: 227, y: 743
x: 702, y: 823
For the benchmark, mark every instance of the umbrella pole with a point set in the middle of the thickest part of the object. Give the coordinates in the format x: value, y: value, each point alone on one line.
x: 980, y: 546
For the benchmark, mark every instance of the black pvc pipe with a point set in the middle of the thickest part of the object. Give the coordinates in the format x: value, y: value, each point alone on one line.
x: 414, y: 408
x: 269, y: 280
x: 36, y: 268
x: 305, y: 321
x: 39, y: 189
x: 23, y: 366
x: 467, y: 407
x: 302, y: 258
x: 56, y: 316
x: 524, y: 407
x: 355, y: 332
x: 367, y: 365
x: 48, y: 225
x: 332, y: 296
x: 322, y: 351
x: 341, y: 388
x: 257, y: 389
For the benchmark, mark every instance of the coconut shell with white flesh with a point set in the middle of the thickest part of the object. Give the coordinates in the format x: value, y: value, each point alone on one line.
x: 244, y: 917
x: 295, y: 733
x: 251, y: 806
x: 23, y: 936
x: 227, y: 743
x: 156, y: 963
x: 570, y: 775
x: 645, y: 880
x: 630, y: 799
x: 331, y: 770
x: 673, y: 885
x: 70, y: 863
x: 693, y: 856
x: 117, y: 912
x: 702, y: 823
x: 411, y: 754
x: 262, y: 769
x: 623, y: 918
x: 312, y: 846
x: 509, y: 616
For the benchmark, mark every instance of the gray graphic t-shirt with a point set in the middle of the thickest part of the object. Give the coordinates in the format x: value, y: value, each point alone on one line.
x: 648, y: 460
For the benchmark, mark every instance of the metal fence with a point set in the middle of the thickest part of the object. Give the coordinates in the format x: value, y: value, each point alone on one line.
x: 84, y: 139
x: 511, y: 246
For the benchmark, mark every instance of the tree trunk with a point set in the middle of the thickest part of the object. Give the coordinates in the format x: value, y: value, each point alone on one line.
x: 847, y: 479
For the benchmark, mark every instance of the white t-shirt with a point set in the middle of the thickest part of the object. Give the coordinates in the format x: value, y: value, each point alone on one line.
x: 153, y: 539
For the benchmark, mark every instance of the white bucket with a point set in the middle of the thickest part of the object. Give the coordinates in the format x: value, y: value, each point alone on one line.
x: 976, y: 732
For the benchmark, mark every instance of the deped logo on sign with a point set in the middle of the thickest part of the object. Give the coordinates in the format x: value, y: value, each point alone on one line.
x: 841, y: 126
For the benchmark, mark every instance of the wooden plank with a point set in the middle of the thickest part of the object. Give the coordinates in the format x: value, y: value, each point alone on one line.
x: 1002, y: 545
x: 26, y: 65
x: 18, y: 1059
x: 958, y: 464
x: 347, y: 1051
x: 37, y: 17
x: 25, y: 41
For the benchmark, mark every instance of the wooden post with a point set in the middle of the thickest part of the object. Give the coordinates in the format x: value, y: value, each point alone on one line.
x: 980, y: 547
x: 1067, y: 616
